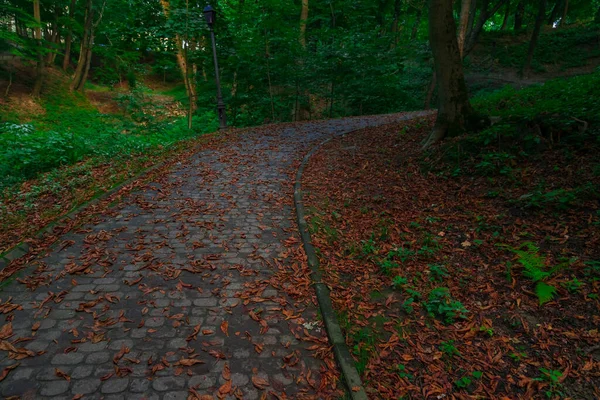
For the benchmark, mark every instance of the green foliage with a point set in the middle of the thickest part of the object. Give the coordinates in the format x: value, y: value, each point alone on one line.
x: 440, y: 304
x: 75, y: 133
x: 560, y: 199
x: 573, y: 285
x: 535, y: 269
x: 553, y: 378
x: 567, y: 48
x: 449, y: 349
x: 437, y: 273
x: 399, y: 281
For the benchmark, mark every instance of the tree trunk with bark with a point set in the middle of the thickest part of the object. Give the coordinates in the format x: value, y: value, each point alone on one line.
x: 39, y: 70
x: 303, y: 21
x: 396, y: 23
x: 69, y: 38
x: 564, y: 14
x: 506, y: 16
x: 465, y: 11
x: 485, y: 14
x: 519, y: 15
x: 455, y: 114
x: 187, y: 70
x: 85, y: 49
x: 534, y: 37
x: 554, y: 13
x: 54, y: 38
x: 417, y: 24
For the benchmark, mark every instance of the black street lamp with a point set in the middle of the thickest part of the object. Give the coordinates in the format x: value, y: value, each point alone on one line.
x: 210, y: 15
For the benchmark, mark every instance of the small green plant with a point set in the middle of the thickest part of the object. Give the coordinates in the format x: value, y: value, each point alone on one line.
x: 573, y: 286
x: 534, y: 268
x: 441, y: 305
x: 488, y: 331
x: 449, y: 349
x: 466, y: 381
x: 399, y: 281
x: 463, y: 382
x: 402, y: 253
x: 437, y: 273
x: 403, y: 372
x: 592, y: 269
x: 387, y: 266
x: 368, y: 248
x: 518, y: 356
x: 553, y: 378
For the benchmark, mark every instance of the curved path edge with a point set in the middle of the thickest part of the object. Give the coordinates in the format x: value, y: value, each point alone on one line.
x: 350, y: 375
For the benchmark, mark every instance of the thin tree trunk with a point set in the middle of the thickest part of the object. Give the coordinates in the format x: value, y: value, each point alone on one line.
x: 415, y: 28
x: 478, y: 27
x: 87, y: 43
x: 454, y: 112
x: 396, y: 22
x: 506, y: 16
x: 69, y: 38
x: 564, y: 14
x: 554, y: 12
x: 267, y: 55
x: 39, y: 70
x: 54, y: 38
x: 465, y: 11
x: 534, y: 37
x: 189, y: 82
x: 519, y: 15
x: 303, y: 21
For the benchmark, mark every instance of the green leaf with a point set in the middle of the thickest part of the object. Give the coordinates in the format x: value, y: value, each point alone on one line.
x: 544, y: 292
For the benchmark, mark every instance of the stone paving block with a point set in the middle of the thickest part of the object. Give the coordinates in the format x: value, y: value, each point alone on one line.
x: 86, y: 386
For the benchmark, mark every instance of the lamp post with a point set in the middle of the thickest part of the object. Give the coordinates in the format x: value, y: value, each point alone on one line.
x: 210, y: 15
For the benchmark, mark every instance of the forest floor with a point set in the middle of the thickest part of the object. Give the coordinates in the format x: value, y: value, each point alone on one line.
x: 453, y: 283
x: 192, y: 283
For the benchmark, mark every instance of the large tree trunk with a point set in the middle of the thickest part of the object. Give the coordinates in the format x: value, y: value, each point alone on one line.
x: 39, y: 70
x: 534, y: 37
x: 69, y: 38
x: 303, y: 21
x: 519, y: 15
x: 454, y: 112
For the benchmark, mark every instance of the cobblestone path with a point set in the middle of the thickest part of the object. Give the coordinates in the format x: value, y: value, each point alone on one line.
x: 193, y: 286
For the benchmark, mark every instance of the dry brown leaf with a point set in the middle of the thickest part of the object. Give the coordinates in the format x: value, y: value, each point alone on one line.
x: 225, y: 327
x: 6, y: 371
x: 62, y: 374
x: 259, y: 383
x: 226, y: 372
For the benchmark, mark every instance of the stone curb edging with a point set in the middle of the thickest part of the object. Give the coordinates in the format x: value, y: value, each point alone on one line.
x: 356, y: 390
x: 342, y: 355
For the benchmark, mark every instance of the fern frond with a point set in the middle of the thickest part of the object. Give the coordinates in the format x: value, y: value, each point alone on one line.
x: 544, y: 292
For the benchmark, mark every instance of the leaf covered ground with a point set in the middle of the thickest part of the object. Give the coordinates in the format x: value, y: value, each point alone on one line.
x: 457, y: 275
